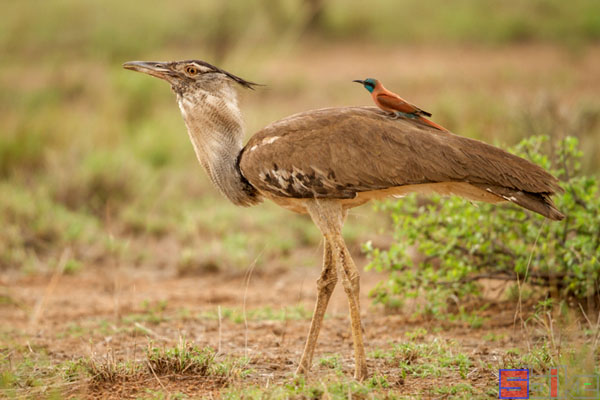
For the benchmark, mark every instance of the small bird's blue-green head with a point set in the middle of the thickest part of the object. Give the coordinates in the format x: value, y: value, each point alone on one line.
x: 368, y: 83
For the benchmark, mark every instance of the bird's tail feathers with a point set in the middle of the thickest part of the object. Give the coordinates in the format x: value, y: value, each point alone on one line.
x: 540, y: 203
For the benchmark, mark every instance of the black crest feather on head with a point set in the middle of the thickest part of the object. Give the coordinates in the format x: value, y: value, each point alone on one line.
x: 241, y: 81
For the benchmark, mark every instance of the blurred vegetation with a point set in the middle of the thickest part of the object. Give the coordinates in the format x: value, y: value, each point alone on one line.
x: 462, y: 245
x: 94, y: 161
x: 464, y: 21
x: 117, y: 30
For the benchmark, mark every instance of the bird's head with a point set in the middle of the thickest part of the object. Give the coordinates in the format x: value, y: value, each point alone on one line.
x: 368, y: 83
x: 190, y: 76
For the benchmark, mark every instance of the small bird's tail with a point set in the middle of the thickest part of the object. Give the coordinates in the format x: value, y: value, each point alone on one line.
x: 433, y: 124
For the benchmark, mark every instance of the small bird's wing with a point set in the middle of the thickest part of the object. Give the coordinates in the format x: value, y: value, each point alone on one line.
x: 399, y: 104
x: 339, y: 152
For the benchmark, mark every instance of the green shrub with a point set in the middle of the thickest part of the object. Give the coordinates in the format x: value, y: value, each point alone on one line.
x: 458, y: 243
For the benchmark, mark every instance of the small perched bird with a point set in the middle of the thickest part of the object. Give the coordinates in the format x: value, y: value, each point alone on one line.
x: 392, y: 103
x: 325, y: 162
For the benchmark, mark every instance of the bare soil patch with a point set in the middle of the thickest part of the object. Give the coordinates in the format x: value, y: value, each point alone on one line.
x: 112, y: 314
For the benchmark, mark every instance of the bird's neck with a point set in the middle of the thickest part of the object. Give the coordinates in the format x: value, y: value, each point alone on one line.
x: 214, y: 123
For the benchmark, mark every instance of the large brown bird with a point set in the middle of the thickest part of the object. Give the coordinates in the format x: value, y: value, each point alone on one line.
x: 324, y: 162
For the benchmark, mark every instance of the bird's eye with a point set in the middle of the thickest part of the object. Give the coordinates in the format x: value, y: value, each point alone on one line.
x: 191, y: 70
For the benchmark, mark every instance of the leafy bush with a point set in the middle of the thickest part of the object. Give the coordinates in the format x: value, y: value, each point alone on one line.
x: 458, y: 244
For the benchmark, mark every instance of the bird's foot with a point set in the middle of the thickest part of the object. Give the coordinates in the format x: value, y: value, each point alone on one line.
x: 360, y: 373
x: 302, y: 370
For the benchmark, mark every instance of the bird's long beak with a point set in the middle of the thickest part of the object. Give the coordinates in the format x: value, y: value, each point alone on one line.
x: 155, y: 68
x: 359, y: 81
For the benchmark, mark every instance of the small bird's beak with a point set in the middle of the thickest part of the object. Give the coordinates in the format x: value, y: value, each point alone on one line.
x: 155, y: 68
x: 359, y: 81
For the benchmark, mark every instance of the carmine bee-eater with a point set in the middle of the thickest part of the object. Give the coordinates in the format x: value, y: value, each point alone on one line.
x: 392, y: 103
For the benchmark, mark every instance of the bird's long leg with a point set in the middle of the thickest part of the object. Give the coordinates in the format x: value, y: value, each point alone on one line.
x: 351, y: 282
x: 355, y: 282
x: 325, y: 285
x: 329, y: 217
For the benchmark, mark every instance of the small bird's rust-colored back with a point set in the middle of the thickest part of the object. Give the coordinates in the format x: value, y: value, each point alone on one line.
x: 342, y: 152
x: 392, y: 103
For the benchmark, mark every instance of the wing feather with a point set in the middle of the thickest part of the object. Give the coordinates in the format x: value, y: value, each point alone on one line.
x: 397, y: 103
x: 338, y: 152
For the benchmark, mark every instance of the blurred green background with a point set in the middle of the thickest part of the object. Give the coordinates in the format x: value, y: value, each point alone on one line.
x: 95, y: 159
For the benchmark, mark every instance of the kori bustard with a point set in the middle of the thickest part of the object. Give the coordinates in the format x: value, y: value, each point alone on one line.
x: 324, y: 162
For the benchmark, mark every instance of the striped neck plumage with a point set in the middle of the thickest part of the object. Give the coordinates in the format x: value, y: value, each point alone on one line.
x: 215, y: 127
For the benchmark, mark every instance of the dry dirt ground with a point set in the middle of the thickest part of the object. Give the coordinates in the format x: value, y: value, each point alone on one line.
x: 111, y: 315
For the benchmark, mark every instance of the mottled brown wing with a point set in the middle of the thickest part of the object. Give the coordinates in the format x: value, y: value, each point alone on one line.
x: 400, y: 105
x: 337, y: 152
